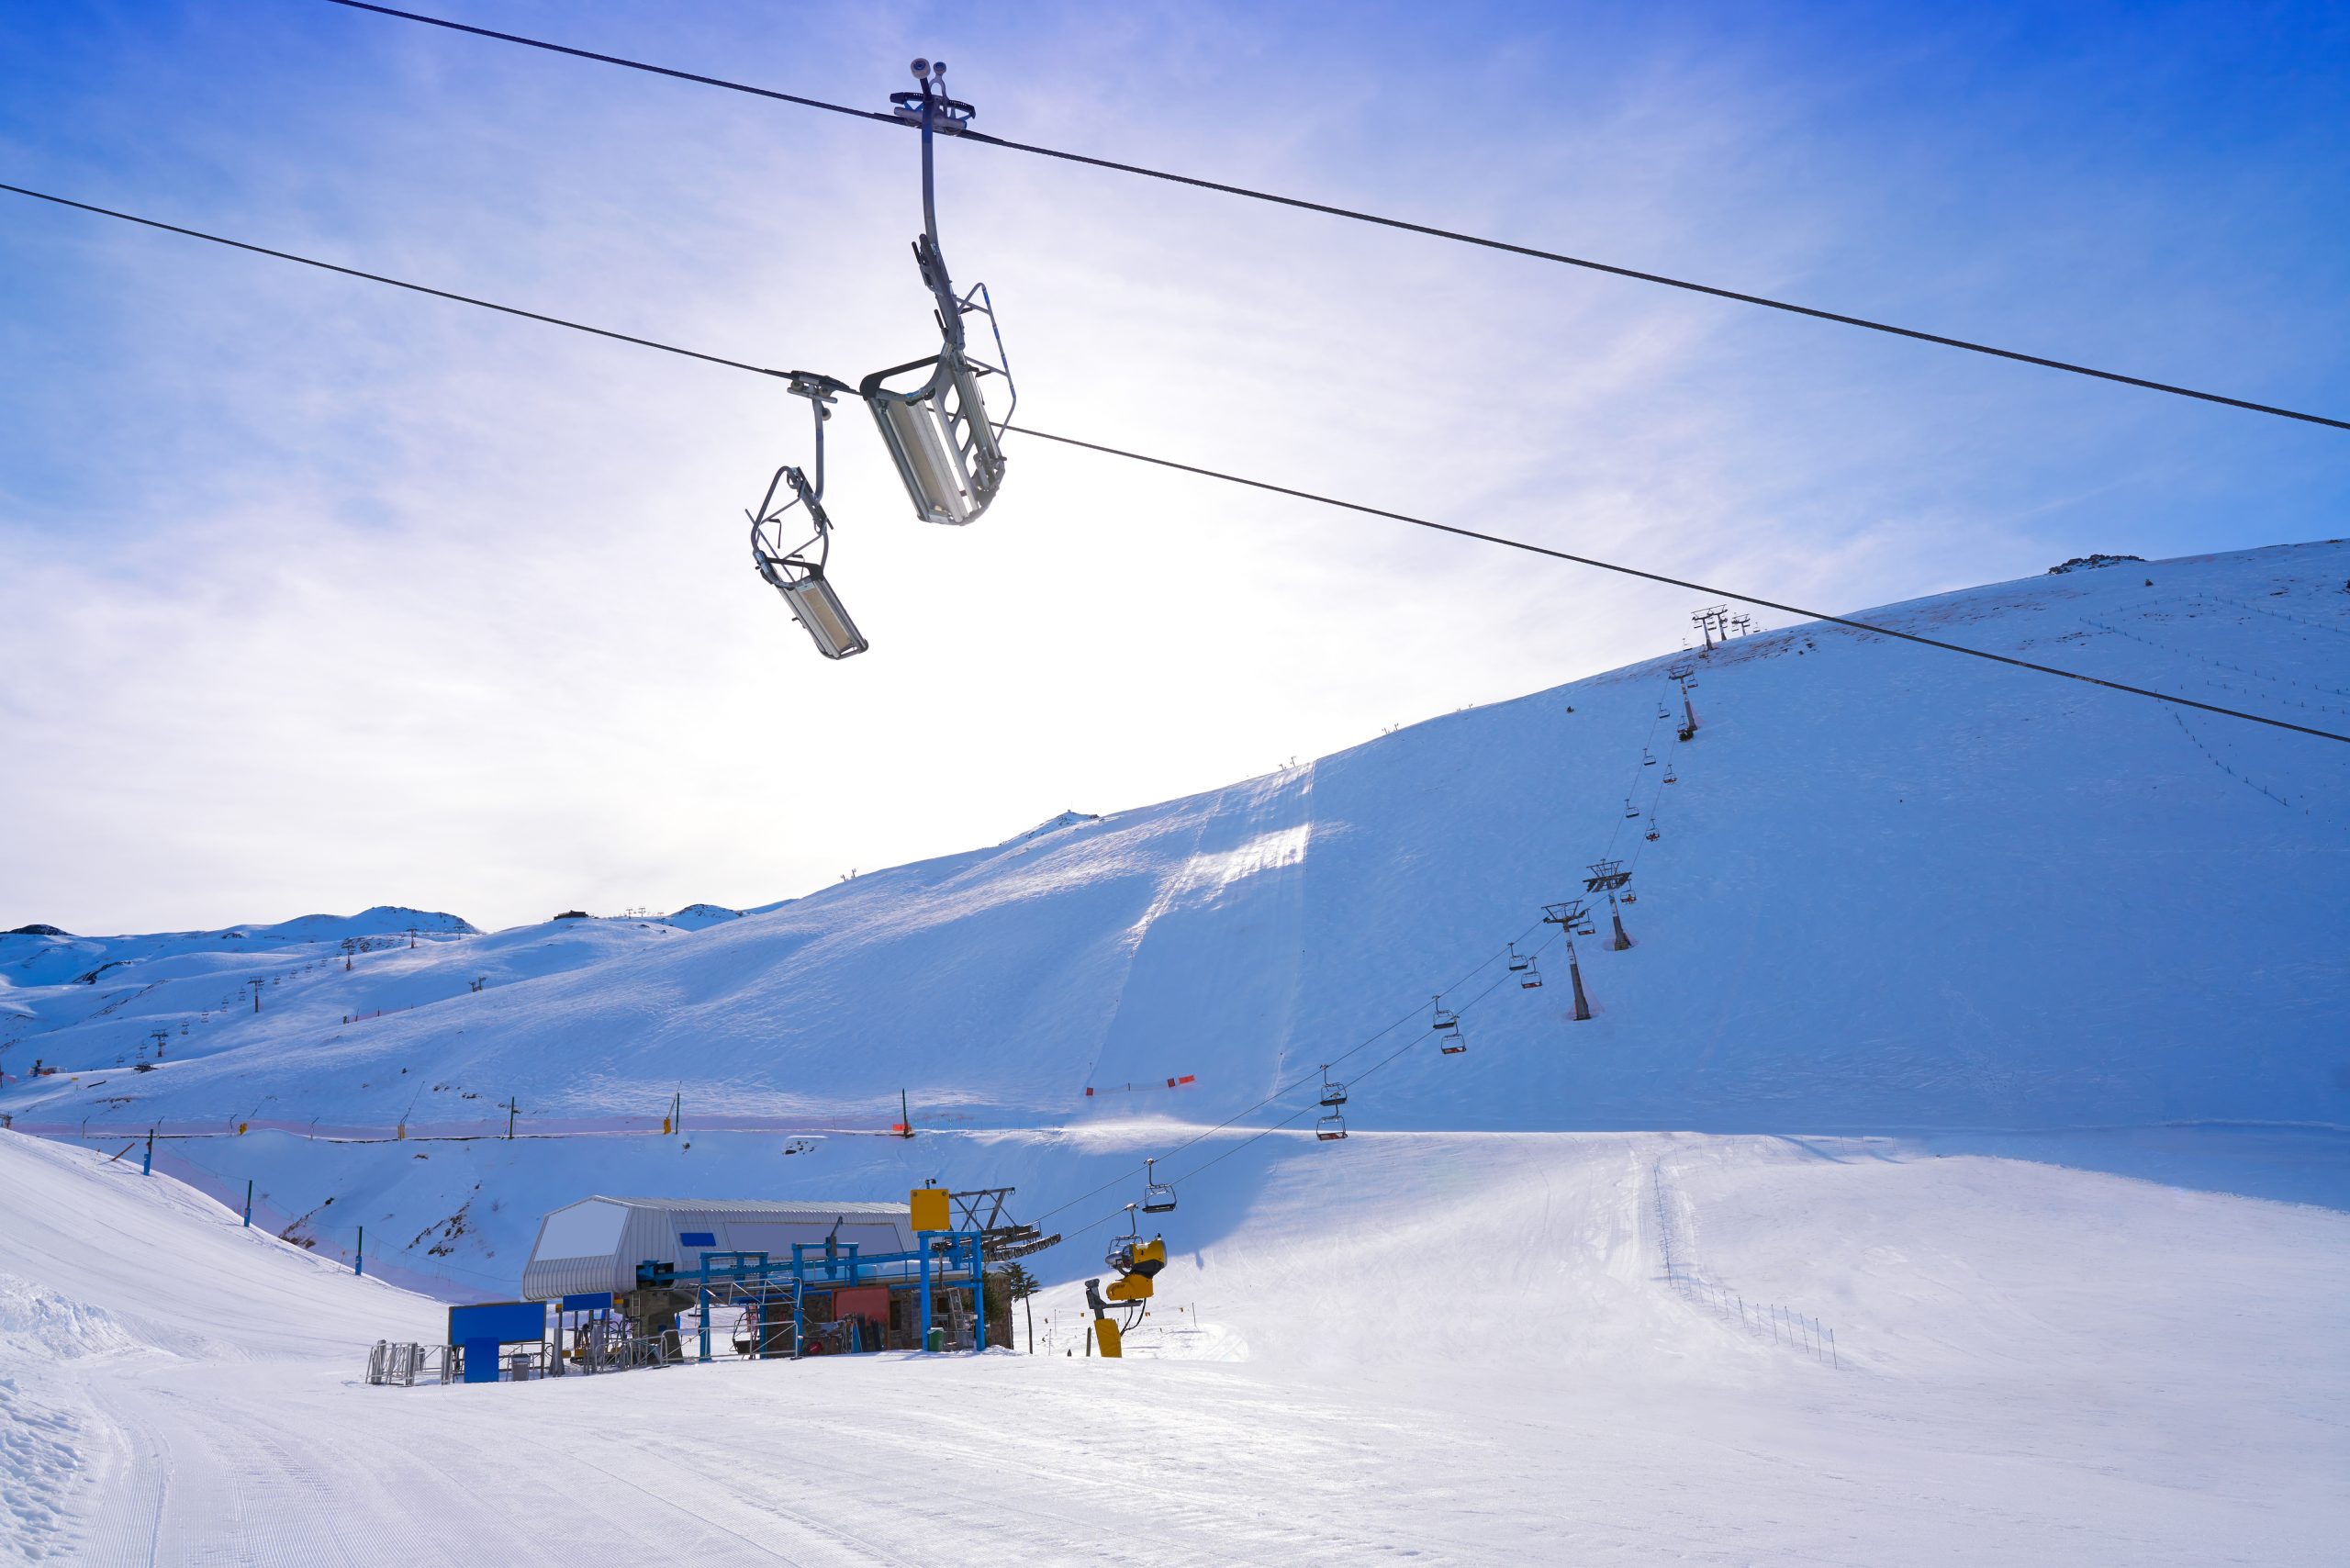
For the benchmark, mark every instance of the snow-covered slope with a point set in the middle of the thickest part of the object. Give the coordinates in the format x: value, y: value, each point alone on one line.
x: 42, y: 955
x: 1487, y: 1348
x: 1890, y: 888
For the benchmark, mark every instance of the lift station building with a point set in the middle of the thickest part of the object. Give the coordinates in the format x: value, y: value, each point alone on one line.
x: 811, y: 1277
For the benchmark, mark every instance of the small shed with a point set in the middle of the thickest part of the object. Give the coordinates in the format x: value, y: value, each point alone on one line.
x: 597, y: 1243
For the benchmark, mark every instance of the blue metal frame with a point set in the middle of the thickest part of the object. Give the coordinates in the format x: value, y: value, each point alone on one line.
x: 960, y: 1265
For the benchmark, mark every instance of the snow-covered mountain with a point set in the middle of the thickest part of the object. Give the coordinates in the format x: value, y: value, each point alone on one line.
x: 40, y: 953
x: 1888, y: 887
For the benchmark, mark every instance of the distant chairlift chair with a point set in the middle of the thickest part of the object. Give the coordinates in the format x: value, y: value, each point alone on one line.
x: 1447, y: 1025
x: 938, y: 430
x: 1157, y: 1197
x: 795, y: 573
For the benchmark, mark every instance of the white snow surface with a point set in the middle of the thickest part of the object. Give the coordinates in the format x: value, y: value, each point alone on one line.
x: 1459, y: 1349
x: 2002, y: 1013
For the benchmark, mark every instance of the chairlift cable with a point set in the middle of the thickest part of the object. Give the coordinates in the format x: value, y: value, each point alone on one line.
x: 1616, y: 824
x: 1530, y: 252
x: 1231, y: 478
x: 1873, y: 628
x: 394, y: 281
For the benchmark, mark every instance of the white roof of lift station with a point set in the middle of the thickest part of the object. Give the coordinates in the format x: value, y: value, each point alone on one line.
x: 597, y: 1243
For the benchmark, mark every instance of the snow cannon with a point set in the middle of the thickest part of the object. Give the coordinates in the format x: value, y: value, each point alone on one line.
x: 1108, y: 1338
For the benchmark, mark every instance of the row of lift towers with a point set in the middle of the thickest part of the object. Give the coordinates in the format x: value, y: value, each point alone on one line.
x: 1137, y: 1262
x: 1575, y: 918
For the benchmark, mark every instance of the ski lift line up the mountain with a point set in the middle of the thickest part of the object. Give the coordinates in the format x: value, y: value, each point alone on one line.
x: 1324, y: 1129
x: 1286, y: 1088
x: 1266, y: 486
x: 1272, y: 1127
x: 1530, y: 252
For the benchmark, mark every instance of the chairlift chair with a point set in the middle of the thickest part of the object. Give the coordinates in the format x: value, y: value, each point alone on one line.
x: 1670, y: 776
x: 1518, y: 961
x: 1333, y: 1094
x: 1631, y: 811
x: 1330, y: 1127
x: 1532, y: 980
x: 1157, y: 1197
x: 937, y: 428
x: 1447, y: 1025
x: 795, y: 573
x: 1121, y: 1255
x: 1651, y: 835
x: 1648, y: 758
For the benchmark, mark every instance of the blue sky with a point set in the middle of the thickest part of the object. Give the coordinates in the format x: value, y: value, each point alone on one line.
x: 315, y: 595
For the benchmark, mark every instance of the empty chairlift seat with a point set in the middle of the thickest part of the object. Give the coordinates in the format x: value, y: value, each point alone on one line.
x: 1157, y: 1197
x: 936, y: 428
x: 1447, y: 1025
x: 797, y: 572
x: 938, y: 434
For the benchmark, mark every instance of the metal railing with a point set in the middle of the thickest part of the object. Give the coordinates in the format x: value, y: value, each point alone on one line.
x: 403, y: 1365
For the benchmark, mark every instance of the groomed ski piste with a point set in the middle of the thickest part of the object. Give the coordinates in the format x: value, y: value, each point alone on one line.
x: 1952, y: 1170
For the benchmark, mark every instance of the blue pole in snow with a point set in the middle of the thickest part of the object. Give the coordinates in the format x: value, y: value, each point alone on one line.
x: 147, y: 1166
x: 922, y: 1239
x: 979, y: 1295
x: 705, y: 1307
x: 249, y: 1202
x: 359, y: 1258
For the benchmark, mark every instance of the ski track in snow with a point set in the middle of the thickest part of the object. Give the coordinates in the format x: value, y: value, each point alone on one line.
x: 1462, y: 1349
